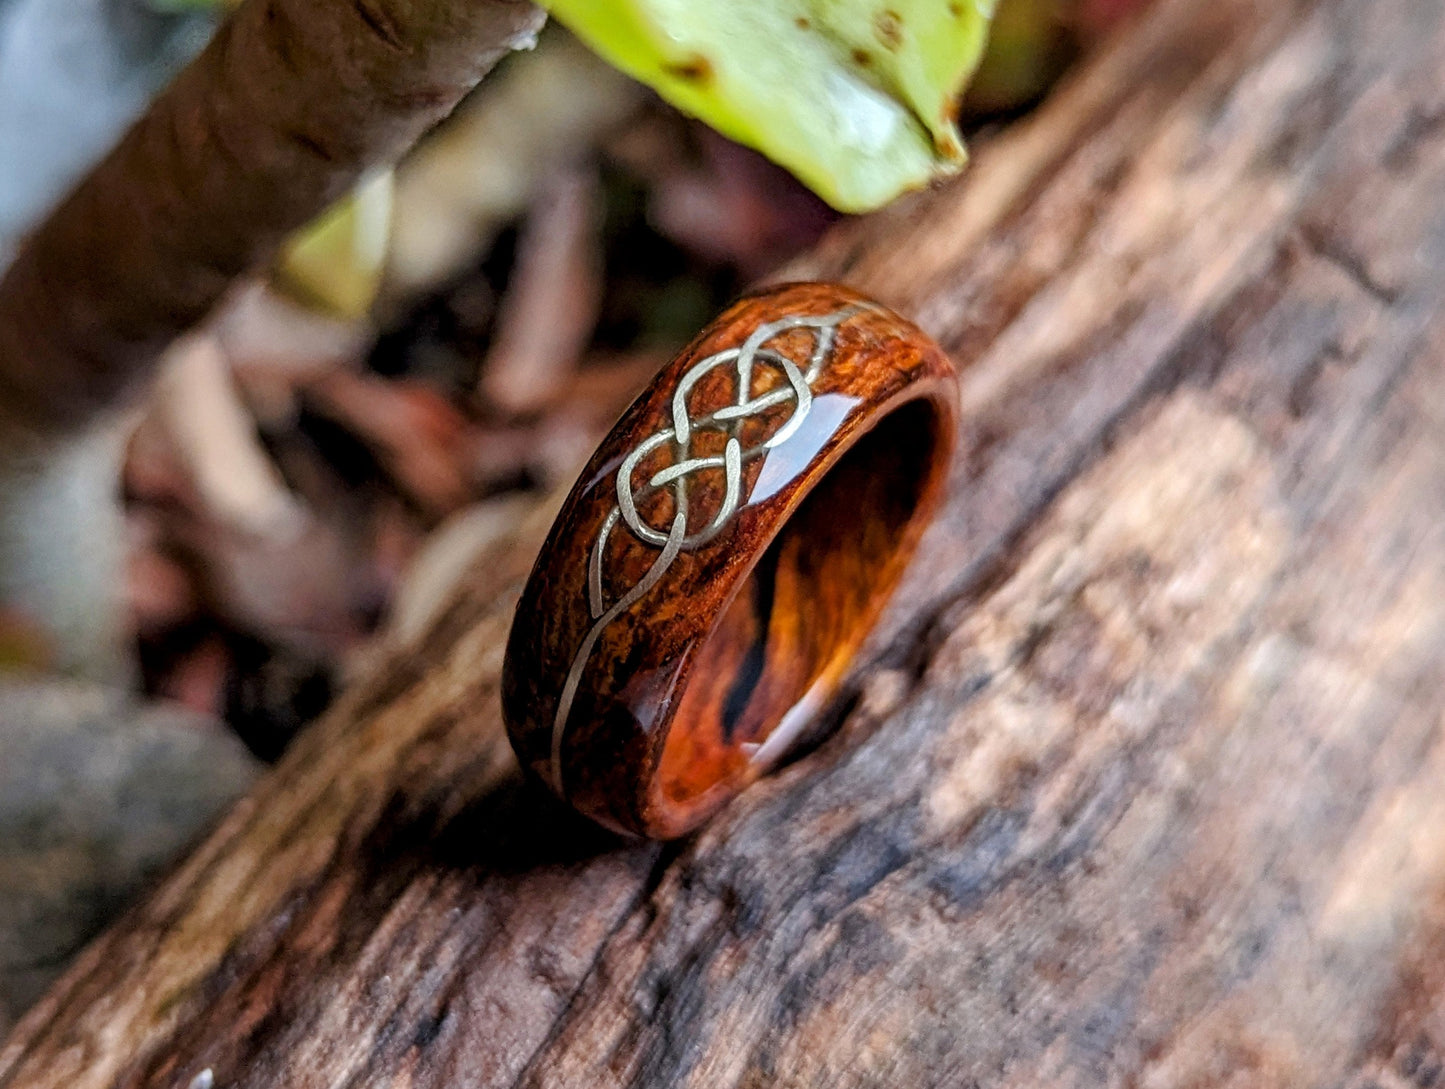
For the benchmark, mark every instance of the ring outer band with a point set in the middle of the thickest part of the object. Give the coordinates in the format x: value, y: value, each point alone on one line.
x: 629, y: 678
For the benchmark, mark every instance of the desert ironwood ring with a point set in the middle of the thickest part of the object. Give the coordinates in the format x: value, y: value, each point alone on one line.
x: 724, y: 555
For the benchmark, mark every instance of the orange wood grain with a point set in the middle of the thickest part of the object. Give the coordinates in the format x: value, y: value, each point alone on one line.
x: 834, y: 487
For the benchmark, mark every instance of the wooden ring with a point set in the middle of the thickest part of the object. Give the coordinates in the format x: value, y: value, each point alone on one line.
x: 724, y: 555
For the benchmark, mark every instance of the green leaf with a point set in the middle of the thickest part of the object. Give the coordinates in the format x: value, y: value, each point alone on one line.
x: 858, y: 99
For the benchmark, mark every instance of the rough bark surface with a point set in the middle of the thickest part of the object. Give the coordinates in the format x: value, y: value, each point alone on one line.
x: 1141, y: 783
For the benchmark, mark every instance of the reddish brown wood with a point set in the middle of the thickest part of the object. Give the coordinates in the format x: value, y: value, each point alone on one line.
x: 729, y: 602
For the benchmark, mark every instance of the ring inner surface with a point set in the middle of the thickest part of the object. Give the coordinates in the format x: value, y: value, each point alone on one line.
x: 796, y: 621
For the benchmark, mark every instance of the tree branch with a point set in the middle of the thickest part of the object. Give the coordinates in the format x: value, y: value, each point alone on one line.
x: 290, y: 102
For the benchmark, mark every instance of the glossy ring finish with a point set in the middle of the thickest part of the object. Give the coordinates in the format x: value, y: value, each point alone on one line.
x: 724, y: 554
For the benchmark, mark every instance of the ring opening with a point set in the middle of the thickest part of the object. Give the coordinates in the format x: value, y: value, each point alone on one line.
x: 785, y: 640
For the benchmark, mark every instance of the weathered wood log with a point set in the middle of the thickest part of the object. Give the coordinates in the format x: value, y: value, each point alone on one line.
x: 1143, y: 782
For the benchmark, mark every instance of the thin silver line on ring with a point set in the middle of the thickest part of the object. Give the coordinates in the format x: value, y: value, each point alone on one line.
x: 676, y: 540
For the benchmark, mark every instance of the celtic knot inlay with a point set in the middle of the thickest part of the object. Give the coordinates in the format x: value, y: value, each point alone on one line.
x: 795, y: 391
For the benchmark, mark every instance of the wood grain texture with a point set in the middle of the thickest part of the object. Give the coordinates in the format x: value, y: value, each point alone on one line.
x: 1142, y: 784
x: 668, y: 653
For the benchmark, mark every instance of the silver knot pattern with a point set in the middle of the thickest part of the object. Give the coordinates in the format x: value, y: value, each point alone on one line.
x: 681, y: 536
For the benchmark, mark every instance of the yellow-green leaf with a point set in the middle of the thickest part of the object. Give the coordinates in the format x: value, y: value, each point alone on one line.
x: 857, y: 99
x: 335, y: 263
